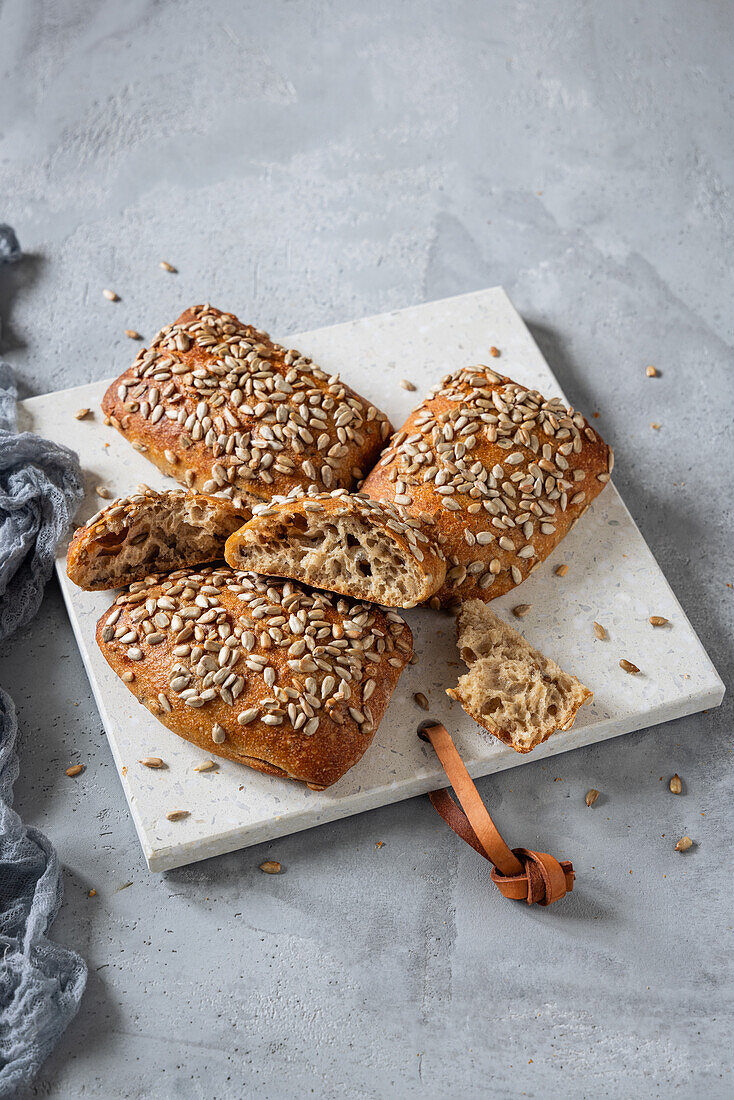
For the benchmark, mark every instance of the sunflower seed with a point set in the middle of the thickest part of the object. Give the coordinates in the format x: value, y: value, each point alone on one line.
x: 675, y: 785
x: 152, y: 762
x: 205, y: 766
x: 177, y: 815
x: 684, y: 844
x: 591, y: 797
x: 75, y: 769
x: 271, y: 867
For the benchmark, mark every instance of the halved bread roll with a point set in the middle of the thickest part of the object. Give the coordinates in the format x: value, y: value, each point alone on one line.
x: 342, y: 543
x: 513, y: 690
x: 263, y: 672
x: 150, y: 532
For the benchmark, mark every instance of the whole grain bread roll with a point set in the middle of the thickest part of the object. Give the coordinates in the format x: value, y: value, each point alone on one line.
x: 502, y: 472
x: 344, y: 543
x: 219, y: 406
x: 289, y: 682
x: 150, y: 531
x: 513, y: 690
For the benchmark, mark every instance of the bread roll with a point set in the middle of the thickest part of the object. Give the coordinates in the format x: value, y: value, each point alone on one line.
x: 217, y: 405
x: 502, y: 472
x: 344, y: 543
x: 150, y: 532
x: 511, y: 689
x: 263, y: 672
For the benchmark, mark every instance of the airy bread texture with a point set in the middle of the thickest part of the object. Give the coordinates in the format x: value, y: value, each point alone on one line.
x: 343, y: 543
x: 150, y: 532
x: 511, y: 689
x: 217, y: 405
x: 263, y: 672
x: 502, y: 472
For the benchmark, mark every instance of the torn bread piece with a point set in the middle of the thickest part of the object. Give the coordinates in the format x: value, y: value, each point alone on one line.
x: 512, y: 689
x: 343, y: 543
x: 150, y: 532
x: 290, y: 682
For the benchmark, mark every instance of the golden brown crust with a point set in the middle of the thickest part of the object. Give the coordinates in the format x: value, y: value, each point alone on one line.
x: 404, y: 570
x: 220, y: 645
x: 220, y: 407
x: 502, y: 472
x: 191, y: 527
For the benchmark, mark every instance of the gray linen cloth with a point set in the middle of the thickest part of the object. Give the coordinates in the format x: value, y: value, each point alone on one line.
x: 41, y: 983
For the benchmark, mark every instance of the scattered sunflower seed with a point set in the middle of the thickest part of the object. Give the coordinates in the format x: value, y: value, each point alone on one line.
x: 92, y: 893
x: 81, y: 413
x: 684, y: 844
x: 675, y: 784
x: 75, y: 769
x: 629, y: 667
x: 101, y: 491
x: 271, y: 867
x: 494, y: 352
x: 111, y: 296
x: 521, y: 610
x: 152, y: 762
x: 167, y: 267
x: 591, y: 796
x: 407, y: 385
x: 176, y: 815
x: 655, y: 426
x: 657, y: 620
x: 652, y: 372
x: 133, y: 334
x: 561, y: 570
x: 600, y: 631
x: 205, y: 766
x: 421, y: 700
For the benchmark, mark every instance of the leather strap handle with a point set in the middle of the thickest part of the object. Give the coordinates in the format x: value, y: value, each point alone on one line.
x: 519, y: 873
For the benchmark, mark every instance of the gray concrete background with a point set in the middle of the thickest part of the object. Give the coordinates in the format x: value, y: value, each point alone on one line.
x: 303, y: 164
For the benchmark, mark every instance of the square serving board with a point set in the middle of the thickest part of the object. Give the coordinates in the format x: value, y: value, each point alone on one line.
x: 612, y: 578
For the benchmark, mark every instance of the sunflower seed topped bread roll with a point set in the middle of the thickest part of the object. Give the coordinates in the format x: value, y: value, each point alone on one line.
x: 511, y: 689
x: 344, y: 543
x: 217, y: 405
x: 263, y: 672
x: 502, y: 471
x: 149, y: 532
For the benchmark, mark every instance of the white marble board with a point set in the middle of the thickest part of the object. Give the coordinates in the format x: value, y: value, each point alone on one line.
x: 612, y: 578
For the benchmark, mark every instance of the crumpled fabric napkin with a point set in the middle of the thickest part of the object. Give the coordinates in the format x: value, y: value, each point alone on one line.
x: 41, y: 983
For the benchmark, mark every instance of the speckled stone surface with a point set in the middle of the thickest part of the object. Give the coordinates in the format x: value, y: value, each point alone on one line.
x: 302, y: 163
x: 612, y: 578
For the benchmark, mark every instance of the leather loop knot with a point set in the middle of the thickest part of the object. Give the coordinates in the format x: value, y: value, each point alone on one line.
x: 519, y: 873
x: 544, y: 878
